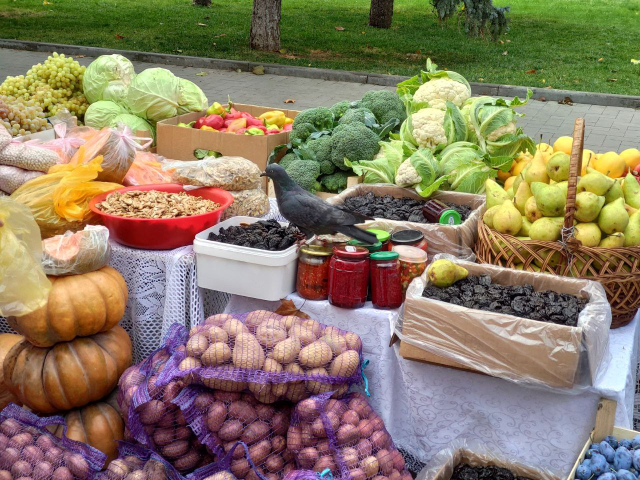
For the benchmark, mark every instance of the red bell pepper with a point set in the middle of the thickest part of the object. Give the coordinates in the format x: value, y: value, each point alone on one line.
x: 287, y: 127
x: 240, y: 131
x: 213, y: 121
x: 236, y: 125
x: 255, y: 122
x: 272, y: 131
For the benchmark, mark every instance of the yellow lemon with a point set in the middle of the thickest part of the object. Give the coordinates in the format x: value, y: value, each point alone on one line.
x: 502, y: 176
x: 631, y: 157
x: 611, y: 164
x: 545, y: 148
x: 508, y: 183
x: 563, y: 144
x: 515, y: 171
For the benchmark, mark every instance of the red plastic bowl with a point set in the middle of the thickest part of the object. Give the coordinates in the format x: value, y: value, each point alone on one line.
x: 162, y: 233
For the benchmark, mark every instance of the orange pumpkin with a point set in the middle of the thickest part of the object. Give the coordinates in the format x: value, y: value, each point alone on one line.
x: 98, y: 424
x: 7, y: 341
x: 78, y: 306
x: 67, y: 375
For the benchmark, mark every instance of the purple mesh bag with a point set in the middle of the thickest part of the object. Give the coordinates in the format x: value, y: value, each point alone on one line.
x: 29, y: 450
x: 151, y: 418
x: 226, y: 421
x: 275, y: 357
x: 344, y: 436
x: 138, y: 463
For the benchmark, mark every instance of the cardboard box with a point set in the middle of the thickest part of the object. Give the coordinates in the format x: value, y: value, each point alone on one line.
x: 179, y: 143
x: 45, y: 136
x: 507, y: 346
x: 351, y: 182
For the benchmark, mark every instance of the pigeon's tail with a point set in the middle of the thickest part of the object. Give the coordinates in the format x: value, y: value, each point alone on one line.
x: 355, y: 232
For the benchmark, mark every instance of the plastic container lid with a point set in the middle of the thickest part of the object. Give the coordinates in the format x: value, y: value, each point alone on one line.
x: 410, y: 254
x: 371, y: 247
x: 317, y: 250
x: 353, y: 252
x: 382, y: 235
x: 384, y: 256
x: 407, y: 237
x: 450, y: 217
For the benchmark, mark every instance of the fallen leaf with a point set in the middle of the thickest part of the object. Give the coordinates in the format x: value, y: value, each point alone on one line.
x: 634, y: 61
x: 119, y: 37
x: 600, y: 59
x: 289, y: 100
x: 80, y: 56
x: 566, y: 101
x: 364, y: 33
x: 612, y: 79
x: 481, y: 79
x: 340, y: 29
x: 221, y: 35
x: 207, y: 17
x: 530, y: 71
x: 283, y: 50
x: 214, y: 44
x: 542, y: 99
x: 202, y: 74
x: 239, y: 70
x: 548, y: 87
x: 201, y: 24
x: 258, y: 70
x: 544, y: 81
x: 508, y: 41
x: 501, y: 42
x: 46, y: 3
x: 178, y: 51
x: 287, y: 308
x: 505, y: 53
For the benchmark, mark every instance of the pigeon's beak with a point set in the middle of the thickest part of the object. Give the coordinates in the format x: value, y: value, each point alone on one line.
x: 264, y: 174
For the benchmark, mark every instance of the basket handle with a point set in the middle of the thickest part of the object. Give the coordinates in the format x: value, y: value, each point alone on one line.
x: 575, y: 168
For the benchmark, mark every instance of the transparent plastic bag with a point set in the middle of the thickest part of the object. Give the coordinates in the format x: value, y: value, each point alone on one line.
x: 59, y: 201
x: 522, y: 350
x: 248, y: 203
x: 228, y: 173
x: 76, y: 253
x: 147, y: 169
x: 65, y: 145
x: 26, y: 155
x: 118, y: 147
x: 24, y: 286
x: 12, y: 178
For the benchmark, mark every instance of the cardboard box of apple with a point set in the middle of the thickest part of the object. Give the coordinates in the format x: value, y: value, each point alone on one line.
x: 229, y: 120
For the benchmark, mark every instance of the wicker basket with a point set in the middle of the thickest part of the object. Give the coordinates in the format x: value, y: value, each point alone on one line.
x: 617, y: 269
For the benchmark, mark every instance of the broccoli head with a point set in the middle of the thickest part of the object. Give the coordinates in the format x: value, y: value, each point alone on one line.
x: 300, y: 133
x: 320, y: 117
x: 361, y: 115
x: 385, y: 105
x: 304, y: 173
x: 353, y: 141
x: 287, y: 159
x: 321, y: 149
x: 336, y: 182
x: 339, y: 108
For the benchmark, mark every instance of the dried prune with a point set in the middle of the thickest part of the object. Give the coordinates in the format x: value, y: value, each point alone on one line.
x: 263, y: 235
x: 491, y: 472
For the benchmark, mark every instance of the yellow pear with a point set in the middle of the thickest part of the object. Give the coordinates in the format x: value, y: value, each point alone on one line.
x: 550, y: 199
x: 613, y: 217
x: 632, y: 232
x: 510, y: 193
x: 588, y: 159
x: 495, y: 193
x: 613, y: 241
x: 558, y: 167
x: 516, y: 183
x: 536, y: 171
x: 588, y: 233
x: 631, y: 191
x: 564, y: 186
x: 519, y: 167
x: 594, y: 182
x: 487, y: 218
x: 553, y: 261
x: 630, y: 210
x: 588, y: 206
x: 508, y: 183
x: 563, y: 144
x: 611, y: 164
x: 547, y: 229
x: 524, y: 230
x: 444, y: 273
x: 631, y: 157
x: 507, y: 219
x: 522, y: 195
x: 615, y: 192
x: 531, y: 210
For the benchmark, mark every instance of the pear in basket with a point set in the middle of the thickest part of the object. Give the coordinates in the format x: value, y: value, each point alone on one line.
x: 588, y: 206
x: 594, y: 182
x: 631, y: 190
x: 613, y: 218
x: 632, y: 232
x: 615, y: 192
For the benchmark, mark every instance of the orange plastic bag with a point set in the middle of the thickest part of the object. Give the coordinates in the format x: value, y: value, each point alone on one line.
x: 59, y: 200
x: 146, y: 169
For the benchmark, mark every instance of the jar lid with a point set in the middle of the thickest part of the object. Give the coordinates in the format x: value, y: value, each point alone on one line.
x: 450, y: 217
x: 317, y: 250
x: 382, y: 235
x: 407, y: 237
x: 384, y: 256
x: 351, y: 251
x: 410, y: 254
x: 371, y: 247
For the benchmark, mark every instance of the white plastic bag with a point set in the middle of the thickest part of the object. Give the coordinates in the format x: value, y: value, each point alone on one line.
x: 76, y: 253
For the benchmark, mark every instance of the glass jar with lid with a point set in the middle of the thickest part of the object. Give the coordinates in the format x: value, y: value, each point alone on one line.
x: 386, y: 285
x: 383, y: 237
x: 312, y: 281
x: 409, y: 238
x: 413, y: 262
x: 435, y: 211
x: 349, y: 276
x: 373, y: 247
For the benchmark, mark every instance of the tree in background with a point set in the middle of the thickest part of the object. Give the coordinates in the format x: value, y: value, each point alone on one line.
x: 265, y: 25
x: 381, y: 13
x: 481, y: 17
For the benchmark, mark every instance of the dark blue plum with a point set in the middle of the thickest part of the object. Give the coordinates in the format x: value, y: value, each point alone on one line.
x: 636, y: 459
x: 622, y: 459
x: 626, y: 444
x: 583, y: 472
x: 625, y: 475
x: 595, y: 447
x: 635, y: 443
x: 607, y: 450
x: 599, y: 464
x: 607, y: 476
x: 611, y: 440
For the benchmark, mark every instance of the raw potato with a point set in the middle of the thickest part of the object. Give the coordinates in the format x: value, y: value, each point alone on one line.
x: 296, y: 392
x: 216, y: 415
x: 347, y: 434
x: 255, y: 318
x: 345, y: 364
x: 234, y: 327
x: 286, y: 351
x: 350, y: 457
x: 353, y: 341
x: 385, y: 460
x: 247, y: 352
x: 260, y: 451
x: 337, y: 342
x: 224, y: 475
x: 290, y: 320
x: 270, y: 335
x: 370, y: 466
x: 315, y: 386
x: 217, y: 334
x: 242, y: 411
x: 197, y: 345
x: 219, y: 319
x: 189, y: 363
x: 231, y: 430
x: 315, y: 355
x: 312, y: 325
x: 303, y: 334
x: 217, y: 354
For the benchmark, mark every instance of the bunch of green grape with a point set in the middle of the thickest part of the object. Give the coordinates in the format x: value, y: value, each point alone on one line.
x: 54, y: 85
x: 22, y: 117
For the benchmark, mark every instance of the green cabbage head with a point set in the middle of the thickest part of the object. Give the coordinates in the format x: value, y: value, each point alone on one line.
x: 108, y: 78
x: 101, y: 114
x: 192, y: 98
x: 154, y: 94
x: 134, y: 123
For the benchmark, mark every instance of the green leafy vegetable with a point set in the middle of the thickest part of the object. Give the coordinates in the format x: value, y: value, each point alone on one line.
x: 154, y: 94
x: 383, y: 167
x: 108, y: 78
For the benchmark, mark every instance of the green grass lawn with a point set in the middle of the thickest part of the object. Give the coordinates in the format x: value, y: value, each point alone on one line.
x: 570, y: 44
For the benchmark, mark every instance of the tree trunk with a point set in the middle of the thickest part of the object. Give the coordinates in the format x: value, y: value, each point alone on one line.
x: 202, y: 3
x: 265, y: 25
x: 381, y: 13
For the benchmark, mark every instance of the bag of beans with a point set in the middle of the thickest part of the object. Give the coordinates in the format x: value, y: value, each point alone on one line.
x: 29, y: 450
x: 25, y: 155
x: 12, y: 178
x: 275, y: 357
x: 149, y: 414
x: 345, y: 436
x: 222, y: 419
x: 248, y: 203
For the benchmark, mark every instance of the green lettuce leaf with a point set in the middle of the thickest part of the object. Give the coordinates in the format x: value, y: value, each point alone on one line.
x: 382, y: 169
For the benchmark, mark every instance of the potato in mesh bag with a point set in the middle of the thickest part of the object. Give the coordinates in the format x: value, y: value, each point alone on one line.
x: 228, y: 173
x: 248, y: 203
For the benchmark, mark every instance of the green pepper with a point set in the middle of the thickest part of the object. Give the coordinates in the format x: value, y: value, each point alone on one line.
x: 187, y: 125
x: 254, y: 131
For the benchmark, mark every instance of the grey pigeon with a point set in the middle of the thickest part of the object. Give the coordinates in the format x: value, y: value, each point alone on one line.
x: 310, y: 213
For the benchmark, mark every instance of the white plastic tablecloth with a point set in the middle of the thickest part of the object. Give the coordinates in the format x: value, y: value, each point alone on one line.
x: 425, y: 406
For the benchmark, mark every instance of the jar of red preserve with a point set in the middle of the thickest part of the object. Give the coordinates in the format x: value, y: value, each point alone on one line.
x: 312, y: 281
x: 383, y: 237
x: 349, y: 276
x: 386, y: 286
x: 413, y: 262
x: 409, y: 238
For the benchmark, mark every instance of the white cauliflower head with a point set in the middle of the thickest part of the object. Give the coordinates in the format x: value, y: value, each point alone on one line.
x: 438, y: 91
x: 407, y: 175
x: 428, y: 127
x: 500, y: 131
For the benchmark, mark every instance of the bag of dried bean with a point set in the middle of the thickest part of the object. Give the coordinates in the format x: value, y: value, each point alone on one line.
x: 25, y: 155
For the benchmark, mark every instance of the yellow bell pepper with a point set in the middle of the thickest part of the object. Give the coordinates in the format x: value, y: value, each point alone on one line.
x: 206, y: 127
x: 274, y: 117
x: 288, y: 120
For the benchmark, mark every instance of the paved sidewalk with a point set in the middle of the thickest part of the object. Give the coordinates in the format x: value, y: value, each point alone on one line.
x: 608, y: 128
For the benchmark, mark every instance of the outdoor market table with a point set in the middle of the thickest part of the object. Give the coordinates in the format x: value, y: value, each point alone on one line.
x: 425, y: 407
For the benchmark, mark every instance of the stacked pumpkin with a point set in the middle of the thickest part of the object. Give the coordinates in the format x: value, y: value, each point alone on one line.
x: 70, y: 357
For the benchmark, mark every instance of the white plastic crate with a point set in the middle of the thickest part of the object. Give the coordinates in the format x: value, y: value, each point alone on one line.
x: 250, y: 272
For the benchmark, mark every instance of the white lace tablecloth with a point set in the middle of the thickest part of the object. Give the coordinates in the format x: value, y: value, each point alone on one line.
x: 425, y: 407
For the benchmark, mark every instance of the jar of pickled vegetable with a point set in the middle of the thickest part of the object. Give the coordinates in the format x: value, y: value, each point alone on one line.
x: 312, y: 281
x: 413, y: 261
x: 386, y: 284
x: 349, y: 276
x: 383, y: 237
x: 409, y: 238
x: 372, y: 247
